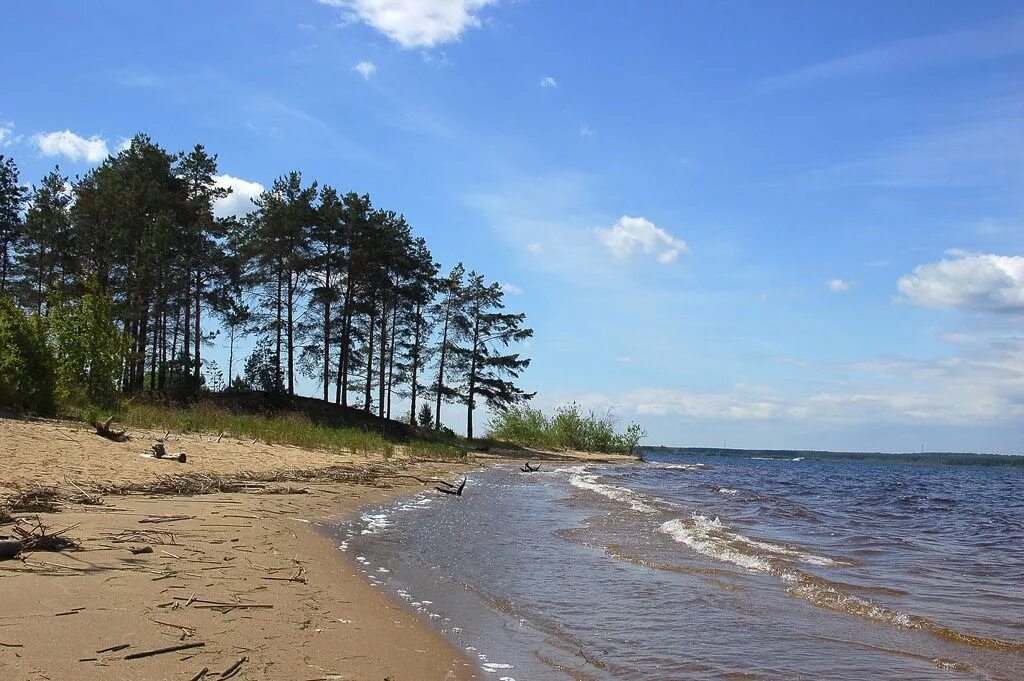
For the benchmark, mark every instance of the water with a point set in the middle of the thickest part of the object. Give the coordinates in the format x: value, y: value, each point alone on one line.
x: 726, y: 569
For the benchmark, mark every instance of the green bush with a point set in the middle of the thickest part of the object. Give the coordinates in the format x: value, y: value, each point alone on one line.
x: 26, y: 362
x: 89, y: 348
x: 569, y: 428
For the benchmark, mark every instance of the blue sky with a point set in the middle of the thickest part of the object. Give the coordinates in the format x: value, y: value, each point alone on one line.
x: 754, y: 224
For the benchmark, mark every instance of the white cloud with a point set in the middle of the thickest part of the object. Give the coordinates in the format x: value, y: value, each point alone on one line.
x: 366, y: 69
x: 977, y: 282
x: 837, y: 285
x: 985, y: 386
x: 239, y: 201
x: 624, y: 359
x: 535, y: 248
x: 587, y: 131
x: 630, y: 235
x: 548, y: 81
x: 510, y: 288
x: 416, y: 23
x: 124, y: 144
x: 6, y: 133
x: 68, y: 144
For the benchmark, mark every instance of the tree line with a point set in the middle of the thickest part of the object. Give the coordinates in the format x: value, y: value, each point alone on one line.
x: 332, y: 287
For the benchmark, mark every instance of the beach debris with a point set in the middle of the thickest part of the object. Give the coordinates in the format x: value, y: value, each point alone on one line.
x: 104, y: 430
x: 165, y: 518
x: 160, y: 452
x: 83, y: 497
x: 452, y: 489
x: 38, y: 537
x: 33, y: 499
x: 201, y: 674
x: 233, y: 669
x: 5, y: 516
x: 161, y: 651
x: 530, y: 469
x: 114, y: 649
x: 136, y: 550
x: 9, y: 547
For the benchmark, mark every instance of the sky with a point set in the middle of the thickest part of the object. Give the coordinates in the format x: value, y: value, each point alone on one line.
x: 742, y: 224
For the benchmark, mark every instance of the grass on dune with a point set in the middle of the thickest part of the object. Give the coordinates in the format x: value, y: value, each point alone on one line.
x: 283, y: 428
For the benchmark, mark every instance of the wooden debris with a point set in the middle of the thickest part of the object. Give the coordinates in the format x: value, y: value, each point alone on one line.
x: 168, y: 649
x: 200, y: 675
x: 530, y: 469
x: 33, y: 499
x: 140, y: 549
x: 166, y: 518
x: 39, y: 538
x: 114, y: 649
x: 104, y: 430
x: 452, y: 489
x: 233, y: 669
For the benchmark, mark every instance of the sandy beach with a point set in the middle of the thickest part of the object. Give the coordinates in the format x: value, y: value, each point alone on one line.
x: 243, y: 574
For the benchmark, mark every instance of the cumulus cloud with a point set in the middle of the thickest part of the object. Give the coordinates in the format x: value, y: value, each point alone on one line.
x: 837, y: 285
x: 967, y: 281
x: 68, y: 144
x: 631, y: 235
x: 239, y: 201
x: 587, y: 131
x: 510, y: 288
x: 6, y: 133
x: 416, y: 23
x: 366, y: 69
x: 548, y: 81
x: 535, y: 248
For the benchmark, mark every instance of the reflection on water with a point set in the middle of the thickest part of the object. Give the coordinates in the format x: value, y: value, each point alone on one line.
x: 728, y: 569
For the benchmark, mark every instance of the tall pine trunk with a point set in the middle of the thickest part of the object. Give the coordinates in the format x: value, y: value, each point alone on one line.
x: 415, y: 365
x: 327, y: 322
x: 472, y: 375
x: 198, y: 326
x: 291, y: 334
x: 440, y: 368
x: 369, y: 361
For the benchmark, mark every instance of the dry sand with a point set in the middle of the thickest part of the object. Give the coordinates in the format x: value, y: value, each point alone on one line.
x: 239, y: 549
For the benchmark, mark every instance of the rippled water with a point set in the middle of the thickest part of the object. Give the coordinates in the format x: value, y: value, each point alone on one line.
x: 724, y: 569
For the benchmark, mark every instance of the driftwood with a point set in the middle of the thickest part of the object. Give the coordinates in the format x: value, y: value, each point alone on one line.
x: 233, y: 669
x: 452, y: 489
x: 530, y: 469
x: 104, y: 430
x: 161, y: 651
x: 159, y: 452
x: 200, y: 675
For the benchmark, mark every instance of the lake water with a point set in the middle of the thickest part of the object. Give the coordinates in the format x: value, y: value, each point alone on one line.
x: 690, y: 568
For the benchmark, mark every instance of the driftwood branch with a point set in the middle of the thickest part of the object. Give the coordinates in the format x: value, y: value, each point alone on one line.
x: 104, y: 430
x: 452, y: 489
x: 161, y: 651
x: 530, y: 469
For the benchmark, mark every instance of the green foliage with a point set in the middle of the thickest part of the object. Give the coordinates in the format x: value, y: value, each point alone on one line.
x: 569, y: 428
x: 26, y: 362
x: 89, y: 348
x: 425, y: 419
x: 281, y: 428
x: 436, y: 451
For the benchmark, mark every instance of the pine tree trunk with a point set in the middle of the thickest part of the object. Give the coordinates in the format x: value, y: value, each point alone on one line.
x: 327, y: 322
x: 391, y: 355
x: 440, y: 368
x: 291, y: 335
x: 415, y: 365
x: 369, y: 361
x: 383, y: 351
x: 199, y: 329
x: 278, y: 382
x: 341, y: 393
x: 472, y: 375
x: 186, y: 340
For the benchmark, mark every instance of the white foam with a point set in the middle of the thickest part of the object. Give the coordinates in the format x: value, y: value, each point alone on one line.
x: 493, y: 667
x: 727, y: 490
x: 624, y: 494
x: 375, y: 522
x: 678, y: 466
x: 704, y: 536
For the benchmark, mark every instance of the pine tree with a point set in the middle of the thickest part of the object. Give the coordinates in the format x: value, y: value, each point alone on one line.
x: 12, y: 199
x: 487, y: 330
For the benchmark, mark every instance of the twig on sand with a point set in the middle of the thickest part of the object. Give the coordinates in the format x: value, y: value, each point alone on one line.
x: 233, y: 669
x: 114, y: 649
x: 161, y: 651
x: 200, y: 675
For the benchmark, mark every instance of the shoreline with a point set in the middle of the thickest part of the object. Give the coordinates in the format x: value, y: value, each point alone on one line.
x: 246, y: 575
x: 229, y: 570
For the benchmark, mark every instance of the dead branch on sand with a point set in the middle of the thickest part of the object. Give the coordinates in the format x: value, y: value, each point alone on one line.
x: 104, y: 430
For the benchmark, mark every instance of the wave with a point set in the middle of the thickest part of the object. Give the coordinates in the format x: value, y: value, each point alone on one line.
x: 711, y: 538
x: 588, y: 481
x: 678, y: 466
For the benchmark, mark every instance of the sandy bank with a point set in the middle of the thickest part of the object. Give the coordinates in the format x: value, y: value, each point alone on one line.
x: 241, y: 573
